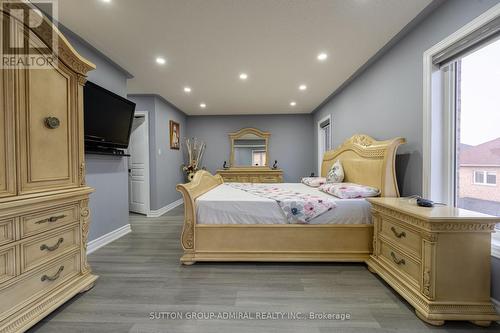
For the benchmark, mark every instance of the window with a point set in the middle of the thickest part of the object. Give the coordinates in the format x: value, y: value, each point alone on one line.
x: 461, y: 149
x: 485, y: 178
x: 258, y: 157
x: 324, y: 139
x: 475, y: 85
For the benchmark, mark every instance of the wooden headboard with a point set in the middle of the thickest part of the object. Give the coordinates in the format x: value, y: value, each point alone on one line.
x: 367, y: 161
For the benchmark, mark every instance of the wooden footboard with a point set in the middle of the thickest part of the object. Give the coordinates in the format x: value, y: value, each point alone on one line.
x: 202, y: 182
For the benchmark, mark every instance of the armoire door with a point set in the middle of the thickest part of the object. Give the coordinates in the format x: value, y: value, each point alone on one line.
x: 48, y: 133
x: 7, y: 148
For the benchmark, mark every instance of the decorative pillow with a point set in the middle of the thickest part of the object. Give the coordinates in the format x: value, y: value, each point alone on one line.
x: 349, y: 190
x: 314, y: 181
x: 336, y: 173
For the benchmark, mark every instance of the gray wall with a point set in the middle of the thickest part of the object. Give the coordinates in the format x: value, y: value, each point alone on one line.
x: 290, y: 143
x: 386, y: 100
x: 165, y: 163
x: 106, y: 174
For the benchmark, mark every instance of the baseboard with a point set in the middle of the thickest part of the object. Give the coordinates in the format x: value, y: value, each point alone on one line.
x: 97, y: 243
x: 163, y: 210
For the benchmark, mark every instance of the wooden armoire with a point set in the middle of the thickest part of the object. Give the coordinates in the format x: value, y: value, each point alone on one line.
x: 44, y: 214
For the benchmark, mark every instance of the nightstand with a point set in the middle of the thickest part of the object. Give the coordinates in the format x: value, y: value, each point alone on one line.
x: 437, y: 258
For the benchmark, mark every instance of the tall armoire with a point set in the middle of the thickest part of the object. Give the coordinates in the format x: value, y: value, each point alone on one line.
x: 44, y: 214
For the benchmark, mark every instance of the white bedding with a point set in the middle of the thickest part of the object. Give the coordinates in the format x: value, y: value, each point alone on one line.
x: 227, y: 205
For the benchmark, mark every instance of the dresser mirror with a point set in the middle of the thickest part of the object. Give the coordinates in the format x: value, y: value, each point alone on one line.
x: 249, y: 148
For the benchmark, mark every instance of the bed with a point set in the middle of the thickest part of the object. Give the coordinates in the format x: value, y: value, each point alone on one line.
x: 251, y: 229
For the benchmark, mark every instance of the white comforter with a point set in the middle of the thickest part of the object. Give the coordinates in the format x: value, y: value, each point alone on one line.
x: 227, y: 205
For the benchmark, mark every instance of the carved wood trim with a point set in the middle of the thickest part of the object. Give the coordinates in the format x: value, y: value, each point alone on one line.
x: 85, y: 226
x: 202, y: 182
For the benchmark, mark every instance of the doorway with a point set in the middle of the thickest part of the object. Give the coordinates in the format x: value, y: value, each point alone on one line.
x: 138, y: 164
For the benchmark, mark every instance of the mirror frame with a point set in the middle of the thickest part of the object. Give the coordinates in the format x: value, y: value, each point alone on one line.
x: 244, y: 131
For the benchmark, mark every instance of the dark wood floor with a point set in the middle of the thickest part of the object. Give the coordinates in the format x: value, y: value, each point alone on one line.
x: 140, y: 273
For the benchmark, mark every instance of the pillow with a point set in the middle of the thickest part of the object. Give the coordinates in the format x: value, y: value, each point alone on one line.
x: 349, y: 190
x: 314, y: 181
x: 336, y: 173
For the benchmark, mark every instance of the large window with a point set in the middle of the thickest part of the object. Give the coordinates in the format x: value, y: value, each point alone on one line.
x: 461, y: 117
x: 477, y: 129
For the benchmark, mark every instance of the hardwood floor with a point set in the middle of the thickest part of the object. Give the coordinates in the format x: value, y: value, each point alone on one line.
x: 140, y: 273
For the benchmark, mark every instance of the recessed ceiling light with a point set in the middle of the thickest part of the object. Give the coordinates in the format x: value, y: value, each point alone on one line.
x: 322, y: 56
x: 203, y: 105
x: 161, y: 61
x: 243, y: 76
x: 293, y: 103
x: 187, y: 90
x: 107, y: 1
x: 302, y: 87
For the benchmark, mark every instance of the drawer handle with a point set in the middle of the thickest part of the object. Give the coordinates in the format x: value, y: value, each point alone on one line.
x: 396, y: 260
x: 52, y: 122
x: 51, y: 219
x: 398, y: 234
x: 53, y: 277
x: 52, y: 248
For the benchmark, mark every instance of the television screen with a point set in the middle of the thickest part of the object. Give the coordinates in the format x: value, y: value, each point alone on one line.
x: 108, y: 118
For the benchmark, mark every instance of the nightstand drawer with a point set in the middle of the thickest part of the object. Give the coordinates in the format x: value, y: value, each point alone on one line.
x: 403, y: 264
x: 49, y: 219
x: 43, y: 249
x: 407, y: 239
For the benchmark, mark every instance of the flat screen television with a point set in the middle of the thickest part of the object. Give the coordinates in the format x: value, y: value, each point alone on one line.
x: 108, y: 118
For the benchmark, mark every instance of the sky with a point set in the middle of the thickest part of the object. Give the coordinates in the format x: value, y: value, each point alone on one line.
x: 480, y: 119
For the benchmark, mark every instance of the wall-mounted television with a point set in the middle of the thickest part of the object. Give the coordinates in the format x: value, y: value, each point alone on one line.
x: 108, y: 118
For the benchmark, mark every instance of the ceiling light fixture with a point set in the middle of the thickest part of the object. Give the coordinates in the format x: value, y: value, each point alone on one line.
x: 322, y: 56
x: 293, y: 103
x: 203, y: 105
x: 302, y: 87
x: 243, y: 76
x: 107, y: 1
x: 161, y: 61
x: 187, y: 90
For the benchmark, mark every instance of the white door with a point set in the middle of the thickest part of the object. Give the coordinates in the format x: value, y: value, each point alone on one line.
x: 138, y: 165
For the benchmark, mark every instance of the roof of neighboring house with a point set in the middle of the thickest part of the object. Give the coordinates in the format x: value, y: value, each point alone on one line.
x: 487, y: 153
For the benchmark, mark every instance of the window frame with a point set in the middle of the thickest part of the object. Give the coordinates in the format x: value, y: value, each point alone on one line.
x: 321, y: 141
x: 438, y: 150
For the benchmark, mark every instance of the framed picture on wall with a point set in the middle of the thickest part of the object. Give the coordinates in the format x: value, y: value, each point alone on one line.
x: 175, y: 135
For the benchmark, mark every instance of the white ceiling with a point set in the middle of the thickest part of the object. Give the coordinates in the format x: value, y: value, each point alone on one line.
x: 208, y: 43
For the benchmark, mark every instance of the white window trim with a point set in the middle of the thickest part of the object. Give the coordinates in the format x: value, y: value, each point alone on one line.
x: 320, y: 143
x: 437, y: 175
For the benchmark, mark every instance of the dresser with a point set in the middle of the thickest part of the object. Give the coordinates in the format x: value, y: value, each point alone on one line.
x: 438, y: 259
x: 251, y: 175
x: 44, y: 214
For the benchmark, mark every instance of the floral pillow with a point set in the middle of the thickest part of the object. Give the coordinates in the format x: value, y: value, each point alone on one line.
x: 314, y: 181
x: 349, y: 190
x: 336, y: 173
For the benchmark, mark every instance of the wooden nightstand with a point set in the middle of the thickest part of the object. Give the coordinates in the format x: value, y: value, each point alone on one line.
x: 438, y: 259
